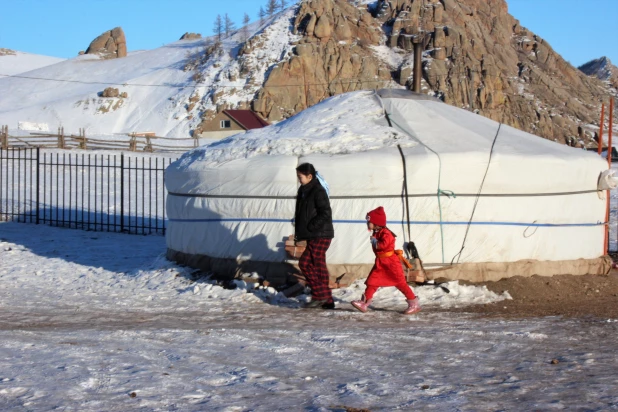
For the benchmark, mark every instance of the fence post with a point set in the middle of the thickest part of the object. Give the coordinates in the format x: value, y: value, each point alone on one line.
x: 196, y: 142
x: 38, y: 176
x: 148, y: 147
x: 82, y: 135
x: 122, y: 192
x: 61, y: 138
x: 133, y: 144
x: 5, y: 137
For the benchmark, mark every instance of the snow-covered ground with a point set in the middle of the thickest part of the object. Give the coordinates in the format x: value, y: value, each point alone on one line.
x: 16, y: 62
x: 98, y: 321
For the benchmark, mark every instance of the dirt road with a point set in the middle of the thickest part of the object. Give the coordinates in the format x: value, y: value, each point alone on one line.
x: 569, y: 296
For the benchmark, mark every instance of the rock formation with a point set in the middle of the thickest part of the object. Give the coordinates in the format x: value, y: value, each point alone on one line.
x: 191, y: 36
x: 109, y: 45
x: 334, y: 56
x: 113, y: 92
x: 476, y: 56
x: 602, y: 69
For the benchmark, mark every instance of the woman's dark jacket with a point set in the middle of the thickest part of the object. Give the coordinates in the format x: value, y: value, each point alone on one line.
x: 314, y: 217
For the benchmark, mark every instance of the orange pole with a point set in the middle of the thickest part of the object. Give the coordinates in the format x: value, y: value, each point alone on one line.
x: 600, y: 148
x: 611, y: 124
x: 609, y: 154
x: 606, y: 242
x: 609, y: 165
x: 600, y: 142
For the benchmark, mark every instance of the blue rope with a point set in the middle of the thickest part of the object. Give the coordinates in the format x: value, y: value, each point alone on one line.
x: 419, y: 222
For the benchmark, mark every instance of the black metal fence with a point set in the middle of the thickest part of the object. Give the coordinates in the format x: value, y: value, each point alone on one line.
x: 99, y: 192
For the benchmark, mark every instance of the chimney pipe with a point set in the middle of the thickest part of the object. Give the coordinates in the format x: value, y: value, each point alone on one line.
x: 418, y: 64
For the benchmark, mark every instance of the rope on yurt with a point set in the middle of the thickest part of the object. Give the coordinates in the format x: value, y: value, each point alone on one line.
x: 478, y: 196
x: 439, y: 191
x: 405, y: 189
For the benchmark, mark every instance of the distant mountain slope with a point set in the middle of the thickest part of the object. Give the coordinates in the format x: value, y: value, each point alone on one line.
x: 15, y: 62
x: 602, y: 69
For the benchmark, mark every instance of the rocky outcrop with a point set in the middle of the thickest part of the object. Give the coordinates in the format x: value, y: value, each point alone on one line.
x: 332, y: 57
x: 477, y: 56
x: 6, y: 52
x: 110, y: 92
x: 113, y: 92
x: 191, y: 36
x: 109, y: 45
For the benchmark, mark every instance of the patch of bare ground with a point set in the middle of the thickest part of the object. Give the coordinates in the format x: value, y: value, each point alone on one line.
x: 564, y: 295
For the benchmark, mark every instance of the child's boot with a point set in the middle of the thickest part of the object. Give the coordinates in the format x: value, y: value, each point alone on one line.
x: 413, y: 307
x: 361, y: 305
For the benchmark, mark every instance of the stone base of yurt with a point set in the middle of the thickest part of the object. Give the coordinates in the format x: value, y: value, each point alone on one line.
x: 492, y: 271
x: 285, y: 273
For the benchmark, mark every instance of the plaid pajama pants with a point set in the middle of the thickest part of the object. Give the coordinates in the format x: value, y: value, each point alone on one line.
x: 313, y: 265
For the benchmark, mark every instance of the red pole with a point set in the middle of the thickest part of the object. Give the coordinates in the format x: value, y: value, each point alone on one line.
x: 600, y: 142
x: 606, y: 242
x: 609, y: 165
x: 609, y: 138
x: 609, y: 154
x: 600, y: 148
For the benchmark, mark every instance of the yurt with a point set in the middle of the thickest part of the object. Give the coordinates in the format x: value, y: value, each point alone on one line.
x: 480, y: 200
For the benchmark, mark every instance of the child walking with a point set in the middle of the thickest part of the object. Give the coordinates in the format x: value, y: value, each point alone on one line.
x: 387, y: 270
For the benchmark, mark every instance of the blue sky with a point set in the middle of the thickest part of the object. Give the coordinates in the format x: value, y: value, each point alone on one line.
x: 579, y: 30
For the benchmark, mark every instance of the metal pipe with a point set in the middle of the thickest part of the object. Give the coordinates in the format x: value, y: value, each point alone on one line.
x: 418, y: 65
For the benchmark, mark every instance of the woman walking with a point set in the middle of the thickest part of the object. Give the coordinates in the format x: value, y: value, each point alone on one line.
x: 314, y: 223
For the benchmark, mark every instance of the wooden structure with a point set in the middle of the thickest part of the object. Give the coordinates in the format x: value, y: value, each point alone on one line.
x: 133, y: 142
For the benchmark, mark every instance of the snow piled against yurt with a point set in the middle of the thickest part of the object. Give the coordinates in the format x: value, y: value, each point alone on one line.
x: 481, y: 200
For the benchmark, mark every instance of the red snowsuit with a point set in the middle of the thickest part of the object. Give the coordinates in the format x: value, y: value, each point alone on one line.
x: 387, y: 270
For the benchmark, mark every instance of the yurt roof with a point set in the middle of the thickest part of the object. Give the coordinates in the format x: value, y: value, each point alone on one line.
x: 357, y: 122
x: 446, y: 147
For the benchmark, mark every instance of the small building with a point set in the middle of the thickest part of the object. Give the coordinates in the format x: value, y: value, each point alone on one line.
x: 230, y: 122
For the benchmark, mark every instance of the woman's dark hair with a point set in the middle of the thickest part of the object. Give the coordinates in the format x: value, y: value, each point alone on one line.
x: 306, y: 169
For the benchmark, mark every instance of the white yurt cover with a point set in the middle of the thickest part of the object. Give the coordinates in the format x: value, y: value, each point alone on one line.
x: 477, y: 191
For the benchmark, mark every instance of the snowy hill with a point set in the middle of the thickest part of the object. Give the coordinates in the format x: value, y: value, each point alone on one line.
x: 15, y: 62
x: 159, y: 84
